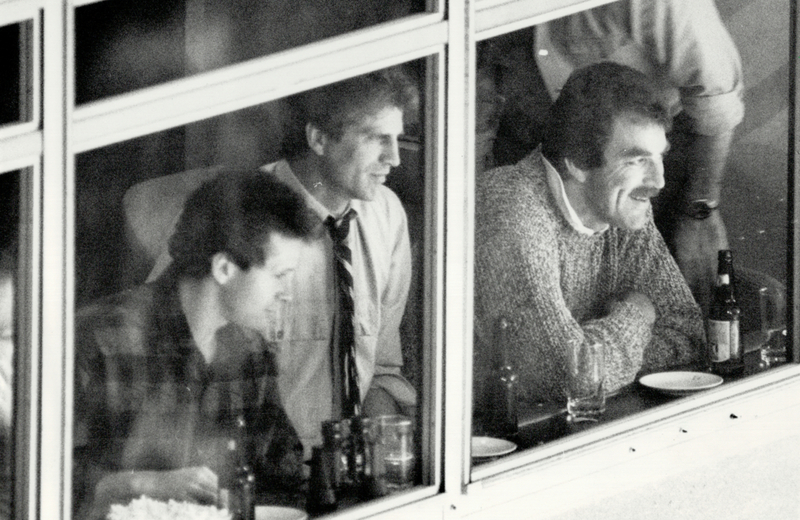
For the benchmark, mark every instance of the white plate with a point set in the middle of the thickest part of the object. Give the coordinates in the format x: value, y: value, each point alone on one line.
x: 680, y: 383
x: 279, y: 513
x: 483, y: 447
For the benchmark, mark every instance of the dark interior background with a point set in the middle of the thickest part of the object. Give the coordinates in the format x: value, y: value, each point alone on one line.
x: 123, y: 46
x: 10, y: 85
x: 755, y: 197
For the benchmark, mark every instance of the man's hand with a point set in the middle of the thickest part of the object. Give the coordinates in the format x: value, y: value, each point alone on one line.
x: 378, y: 402
x: 643, y: 303
x: 695, y: 244
x: 196, y: 484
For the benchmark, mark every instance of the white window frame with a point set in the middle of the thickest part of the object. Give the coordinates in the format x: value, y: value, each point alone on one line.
x: 145, y: 111
x: 29, y: 14
x: 21, y: 150
x: 48, y: 144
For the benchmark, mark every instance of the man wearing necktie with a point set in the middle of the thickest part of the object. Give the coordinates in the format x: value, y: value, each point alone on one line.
x: 342, y: 355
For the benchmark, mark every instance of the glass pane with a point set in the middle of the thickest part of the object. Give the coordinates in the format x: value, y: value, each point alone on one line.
x: 123, y: 46
x: 9, y: 233
x: 129, y: 288
x: 15, y: 69
x: 550, y: 272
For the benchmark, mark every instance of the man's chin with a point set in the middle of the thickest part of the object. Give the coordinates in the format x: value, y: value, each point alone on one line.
x: 368, y: 195
x: 632, y: 224
x: 636, y: 225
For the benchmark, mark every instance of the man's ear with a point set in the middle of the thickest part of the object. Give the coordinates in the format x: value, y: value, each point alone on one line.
x: 223, y: 268
x: 316, y: 138
x: 574, y: 171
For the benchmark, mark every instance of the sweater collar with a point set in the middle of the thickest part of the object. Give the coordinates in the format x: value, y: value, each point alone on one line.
x: 556, y: 185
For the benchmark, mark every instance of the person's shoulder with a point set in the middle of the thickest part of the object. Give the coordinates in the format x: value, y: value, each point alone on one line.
x: 522, y: 183
x: 117, y: 323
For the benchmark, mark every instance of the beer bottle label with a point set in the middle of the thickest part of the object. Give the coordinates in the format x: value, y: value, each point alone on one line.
x: 723, y: 339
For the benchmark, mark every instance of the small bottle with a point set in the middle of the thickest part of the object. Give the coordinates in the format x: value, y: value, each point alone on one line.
x: 321, y: 493
x: 724, y: 346
x: 502, y: 391
x: 333, y: 445
x: 366, y: 456
x: 245, y: 493
x: 360, y: 438
x: 348, y: 469
x: 237, y: 496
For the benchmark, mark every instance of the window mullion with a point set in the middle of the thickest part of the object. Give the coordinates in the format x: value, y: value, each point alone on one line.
x: 54, y: 468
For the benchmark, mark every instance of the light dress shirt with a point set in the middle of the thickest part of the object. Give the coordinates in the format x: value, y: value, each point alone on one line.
x: 381, y: 263
x: 682, y: 44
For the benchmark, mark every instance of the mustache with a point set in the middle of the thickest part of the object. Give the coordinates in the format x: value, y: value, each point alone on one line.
x: 650, y: 193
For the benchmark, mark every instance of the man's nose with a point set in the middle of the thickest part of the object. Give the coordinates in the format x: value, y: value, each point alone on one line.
x: 656, y: 173
x: 391, y: 153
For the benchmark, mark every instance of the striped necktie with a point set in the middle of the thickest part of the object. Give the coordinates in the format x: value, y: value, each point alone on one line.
x: 346, y: 373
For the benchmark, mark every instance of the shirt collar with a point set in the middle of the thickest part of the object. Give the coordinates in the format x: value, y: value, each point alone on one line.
x: 283, y: 172
x: 556, y: 185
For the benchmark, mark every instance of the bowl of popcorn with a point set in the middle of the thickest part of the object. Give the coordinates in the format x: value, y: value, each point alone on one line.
x: 145, y: 508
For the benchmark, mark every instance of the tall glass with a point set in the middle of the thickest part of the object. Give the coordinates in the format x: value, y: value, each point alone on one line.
x: 773, y: 326
x: 393, y: 462
x: 586, y: 398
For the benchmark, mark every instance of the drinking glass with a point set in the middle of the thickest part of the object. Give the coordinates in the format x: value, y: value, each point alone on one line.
x: 393, y: 461
x: 586, y: 399
x: 773, y: 327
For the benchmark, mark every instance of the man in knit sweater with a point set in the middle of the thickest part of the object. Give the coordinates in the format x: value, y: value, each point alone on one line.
x: 566, y: 248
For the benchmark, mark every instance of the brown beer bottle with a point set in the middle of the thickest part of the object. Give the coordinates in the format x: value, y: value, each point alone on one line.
x: 724, y: 345
x: 237, y: 486
x: 321, y: 493
x: 243, y: 488
x: 502, y: 391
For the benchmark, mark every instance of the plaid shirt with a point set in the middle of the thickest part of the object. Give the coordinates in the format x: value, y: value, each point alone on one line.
x: 145, y: 398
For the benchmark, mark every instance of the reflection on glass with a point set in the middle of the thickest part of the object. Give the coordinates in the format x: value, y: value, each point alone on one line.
x: 122, y: 46
x: 6, y: 383
x: 15, y: 66
x: 9, y: 230
x: 709, y: 175
x: 133, y: 284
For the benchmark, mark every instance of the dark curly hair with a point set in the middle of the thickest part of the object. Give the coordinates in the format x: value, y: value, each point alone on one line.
x: 580, y: 122
x: 235, y: 213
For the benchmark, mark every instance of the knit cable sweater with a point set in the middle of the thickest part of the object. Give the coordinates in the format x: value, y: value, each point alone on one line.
x: 556, y: 286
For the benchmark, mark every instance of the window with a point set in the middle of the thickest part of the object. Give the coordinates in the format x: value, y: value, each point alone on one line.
x: 17, y: 67
x: 122, y: 47
x: 19, y: 33
x: 102, y: 96
x: 519, y: 73
x: 129, y: 193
